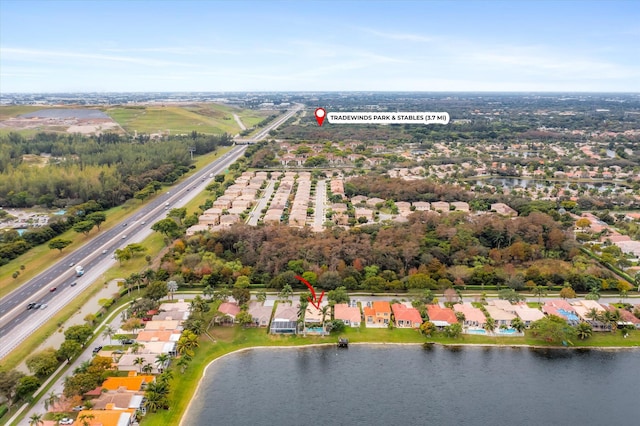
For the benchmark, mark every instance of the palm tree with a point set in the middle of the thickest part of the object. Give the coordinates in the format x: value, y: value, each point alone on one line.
x: 165, y: 376
x: 162, y: 360
x: 85, y: 419
x: 35, y: 420
x: 51, y: 400
x: 135, y: 348
x: 593, y: 314
x: 187, y: 342
x: 148, y: 275
x: 108, y: 332
x: 518, y: 324
x: 172, y: 287
x: 58, y: 416
x: 539, y: 291
x: 324, y: 311
x: 137, y: 279
x: 139, y: 361
x: 612, y: 317
x: 490, y: 325
x: 83, y: 367
x: 147, y: 368
x: 182, y: 364
x: 584, y: 330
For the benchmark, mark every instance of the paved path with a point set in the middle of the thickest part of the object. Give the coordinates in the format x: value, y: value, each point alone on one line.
x: 242, y: 126
x: 320, y: 208
x: 261, y: 204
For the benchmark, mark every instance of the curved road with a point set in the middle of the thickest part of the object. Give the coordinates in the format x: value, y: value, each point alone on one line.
x: 16, y: 322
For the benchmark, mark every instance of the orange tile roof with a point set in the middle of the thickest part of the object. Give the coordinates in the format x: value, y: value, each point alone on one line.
x: 369, y: 312
x: 133, y: 383
x: 104, y: 417
x: 403, y: 313
x: 382, y: 306
x: 436, y: 313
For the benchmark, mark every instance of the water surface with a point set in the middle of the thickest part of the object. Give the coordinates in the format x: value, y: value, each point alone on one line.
x: 409, y: 385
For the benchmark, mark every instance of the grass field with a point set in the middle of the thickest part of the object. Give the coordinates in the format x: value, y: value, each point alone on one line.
x: 10, y: 111
x: 203, y: 118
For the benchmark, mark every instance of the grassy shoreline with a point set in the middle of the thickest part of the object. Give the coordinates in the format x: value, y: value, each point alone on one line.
x: 232, y: 340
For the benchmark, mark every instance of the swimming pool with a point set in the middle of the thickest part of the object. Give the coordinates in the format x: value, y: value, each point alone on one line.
x: 476, y: 331
x: 507, y: 331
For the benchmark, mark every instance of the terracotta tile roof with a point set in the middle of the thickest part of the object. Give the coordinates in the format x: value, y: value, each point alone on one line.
x: 133, y: 383
x: 230, y: 309
x: 404, y: 313
x: 381, y: 306
x: 107, y: 417
x: 436, y: 313
x: 344, y: 312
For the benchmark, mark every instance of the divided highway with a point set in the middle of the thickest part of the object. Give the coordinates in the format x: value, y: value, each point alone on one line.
x: 16, y: 322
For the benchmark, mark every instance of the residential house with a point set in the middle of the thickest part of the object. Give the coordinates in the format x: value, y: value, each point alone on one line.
x: 503, y: 209
x: 133, y: 382
x: 406, y: 317
x: 377, y: 314
x: 460, y: 206
x: 229, y: 309
x: 441, y: 317
x: 527, y: 314
x: 285, y: 319
x: 260, y: 314
x: 440, y: 206
x: 349, y: 315
x: 473, y: 317
x: 108, y: 417
x: 500, y: 317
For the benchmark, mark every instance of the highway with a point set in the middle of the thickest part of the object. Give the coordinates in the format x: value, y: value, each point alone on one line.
x: 17, y: 323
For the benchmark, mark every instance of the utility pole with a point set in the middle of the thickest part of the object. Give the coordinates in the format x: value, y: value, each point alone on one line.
x: 192, y: 149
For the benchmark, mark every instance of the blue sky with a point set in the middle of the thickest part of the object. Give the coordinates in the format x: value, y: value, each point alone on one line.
x: 107, y: 46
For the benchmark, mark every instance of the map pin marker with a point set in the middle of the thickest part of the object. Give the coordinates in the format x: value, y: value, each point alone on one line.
x: 320, y: 115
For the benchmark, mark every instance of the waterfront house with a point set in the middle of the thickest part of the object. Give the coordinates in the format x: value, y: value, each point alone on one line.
x: 377, y: 314
x: 108, y: 417
x: 285, y: 319
x: 473, y: 317
x: 349, y: 315
x: 261, y: 315
x: 527, y: 314
x: 405, y: 317
x: 229, y: 309
x: 133, y: 382
x: 441, y: 317
x: 501, y: 317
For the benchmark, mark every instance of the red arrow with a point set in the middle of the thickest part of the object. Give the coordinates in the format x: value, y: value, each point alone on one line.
x: 314, y: 302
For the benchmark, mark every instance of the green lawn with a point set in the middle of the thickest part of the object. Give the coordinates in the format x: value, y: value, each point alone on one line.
x: 203, y: 118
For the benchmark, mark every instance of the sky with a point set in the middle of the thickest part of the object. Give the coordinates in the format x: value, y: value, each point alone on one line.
x: 221, y: 46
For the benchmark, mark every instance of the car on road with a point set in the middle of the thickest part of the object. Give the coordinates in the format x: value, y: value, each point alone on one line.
x: 43, y: 306
x: 128, y: 341
x: 52, y: 289
x: 104, y: 252
x: 124, y: 224
x: 124, y: 236
x: 66, y: 421
x: 143, y: 222
x: 73, y: 284
x: 37, y: 306
x: 31, y: 305
x: 97, y: 349
x: 71, y: 264
x: 78, y: 408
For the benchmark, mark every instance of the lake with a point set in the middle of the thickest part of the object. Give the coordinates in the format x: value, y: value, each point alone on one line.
x: 404, y: 385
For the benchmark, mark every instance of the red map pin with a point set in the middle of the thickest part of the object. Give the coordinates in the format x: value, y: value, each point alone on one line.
x: 320, y: 115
